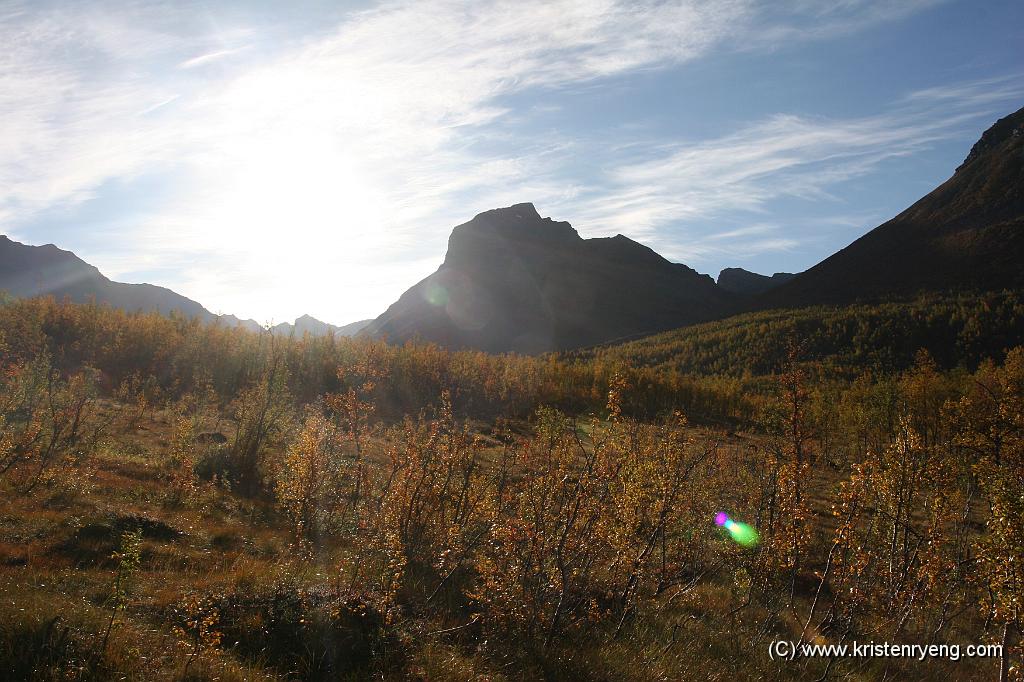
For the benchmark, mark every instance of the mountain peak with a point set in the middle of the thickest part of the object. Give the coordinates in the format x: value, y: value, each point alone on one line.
x: 622, y: 249
x: 27, y: 271
x: 514, y: 281
x: 525, y: 211
x: 499, y: 232
x: 519, y: 220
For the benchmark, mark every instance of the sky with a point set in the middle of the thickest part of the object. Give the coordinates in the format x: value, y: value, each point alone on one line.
x: 274, y: 159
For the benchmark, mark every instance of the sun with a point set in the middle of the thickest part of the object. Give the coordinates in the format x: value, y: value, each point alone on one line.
x: 292, y: 205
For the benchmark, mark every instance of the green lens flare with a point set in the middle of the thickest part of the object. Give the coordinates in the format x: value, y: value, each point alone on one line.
x: 436, y: 295
x: 741, y: 533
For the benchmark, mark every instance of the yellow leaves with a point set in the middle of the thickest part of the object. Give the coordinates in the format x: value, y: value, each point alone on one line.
x: 586, y: 519
x: 617, y: 386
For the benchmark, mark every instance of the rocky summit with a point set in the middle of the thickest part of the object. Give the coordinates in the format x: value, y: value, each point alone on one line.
x: 514, y: 281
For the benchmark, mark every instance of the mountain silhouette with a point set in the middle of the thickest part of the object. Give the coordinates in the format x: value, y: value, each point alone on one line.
x: 740, y: 281
x: 513, y: 281
x: 967, y: 234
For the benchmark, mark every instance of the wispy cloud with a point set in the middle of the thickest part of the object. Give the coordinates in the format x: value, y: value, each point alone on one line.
x: 209, y: 57
x: 802, y: 20
x: 779, y: 157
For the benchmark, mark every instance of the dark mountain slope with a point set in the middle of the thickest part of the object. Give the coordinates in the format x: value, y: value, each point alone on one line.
x: 513, y: 281
x: 968, y: 234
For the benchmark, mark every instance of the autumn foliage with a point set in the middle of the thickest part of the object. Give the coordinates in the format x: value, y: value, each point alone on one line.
x: 552, y: 516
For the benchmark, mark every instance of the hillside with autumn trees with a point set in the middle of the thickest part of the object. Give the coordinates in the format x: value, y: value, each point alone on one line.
x: 186, y: 500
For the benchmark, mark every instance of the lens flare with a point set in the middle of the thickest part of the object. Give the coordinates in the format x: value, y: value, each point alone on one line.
x: 741, y: 533
x: 436, y: 294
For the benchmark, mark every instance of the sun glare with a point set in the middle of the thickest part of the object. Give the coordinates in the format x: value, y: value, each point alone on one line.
x: 293, y: 190
x: 294, y: 203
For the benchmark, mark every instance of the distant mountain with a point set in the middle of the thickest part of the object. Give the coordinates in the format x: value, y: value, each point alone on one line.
x: 967, y: 234
x: 49, y: 271
x: 513, y: 281
x: 352, y: 328
x: 740, y: 281
x: 314, y: 327
x: 232, y: 321
x: 46, y: 270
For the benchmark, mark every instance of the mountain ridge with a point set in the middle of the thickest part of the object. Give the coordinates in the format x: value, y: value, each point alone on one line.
x: 27, y: 270
x: 965, y: 235
x: 307, y: 324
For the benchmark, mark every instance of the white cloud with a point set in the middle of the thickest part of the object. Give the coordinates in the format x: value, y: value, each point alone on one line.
x: 293, y: 159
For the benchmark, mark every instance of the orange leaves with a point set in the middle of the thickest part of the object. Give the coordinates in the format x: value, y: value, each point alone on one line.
x: 197, y: 628
x: 579, y: 537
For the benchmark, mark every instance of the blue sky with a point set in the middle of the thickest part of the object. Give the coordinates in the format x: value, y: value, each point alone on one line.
x: 270, y: 161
